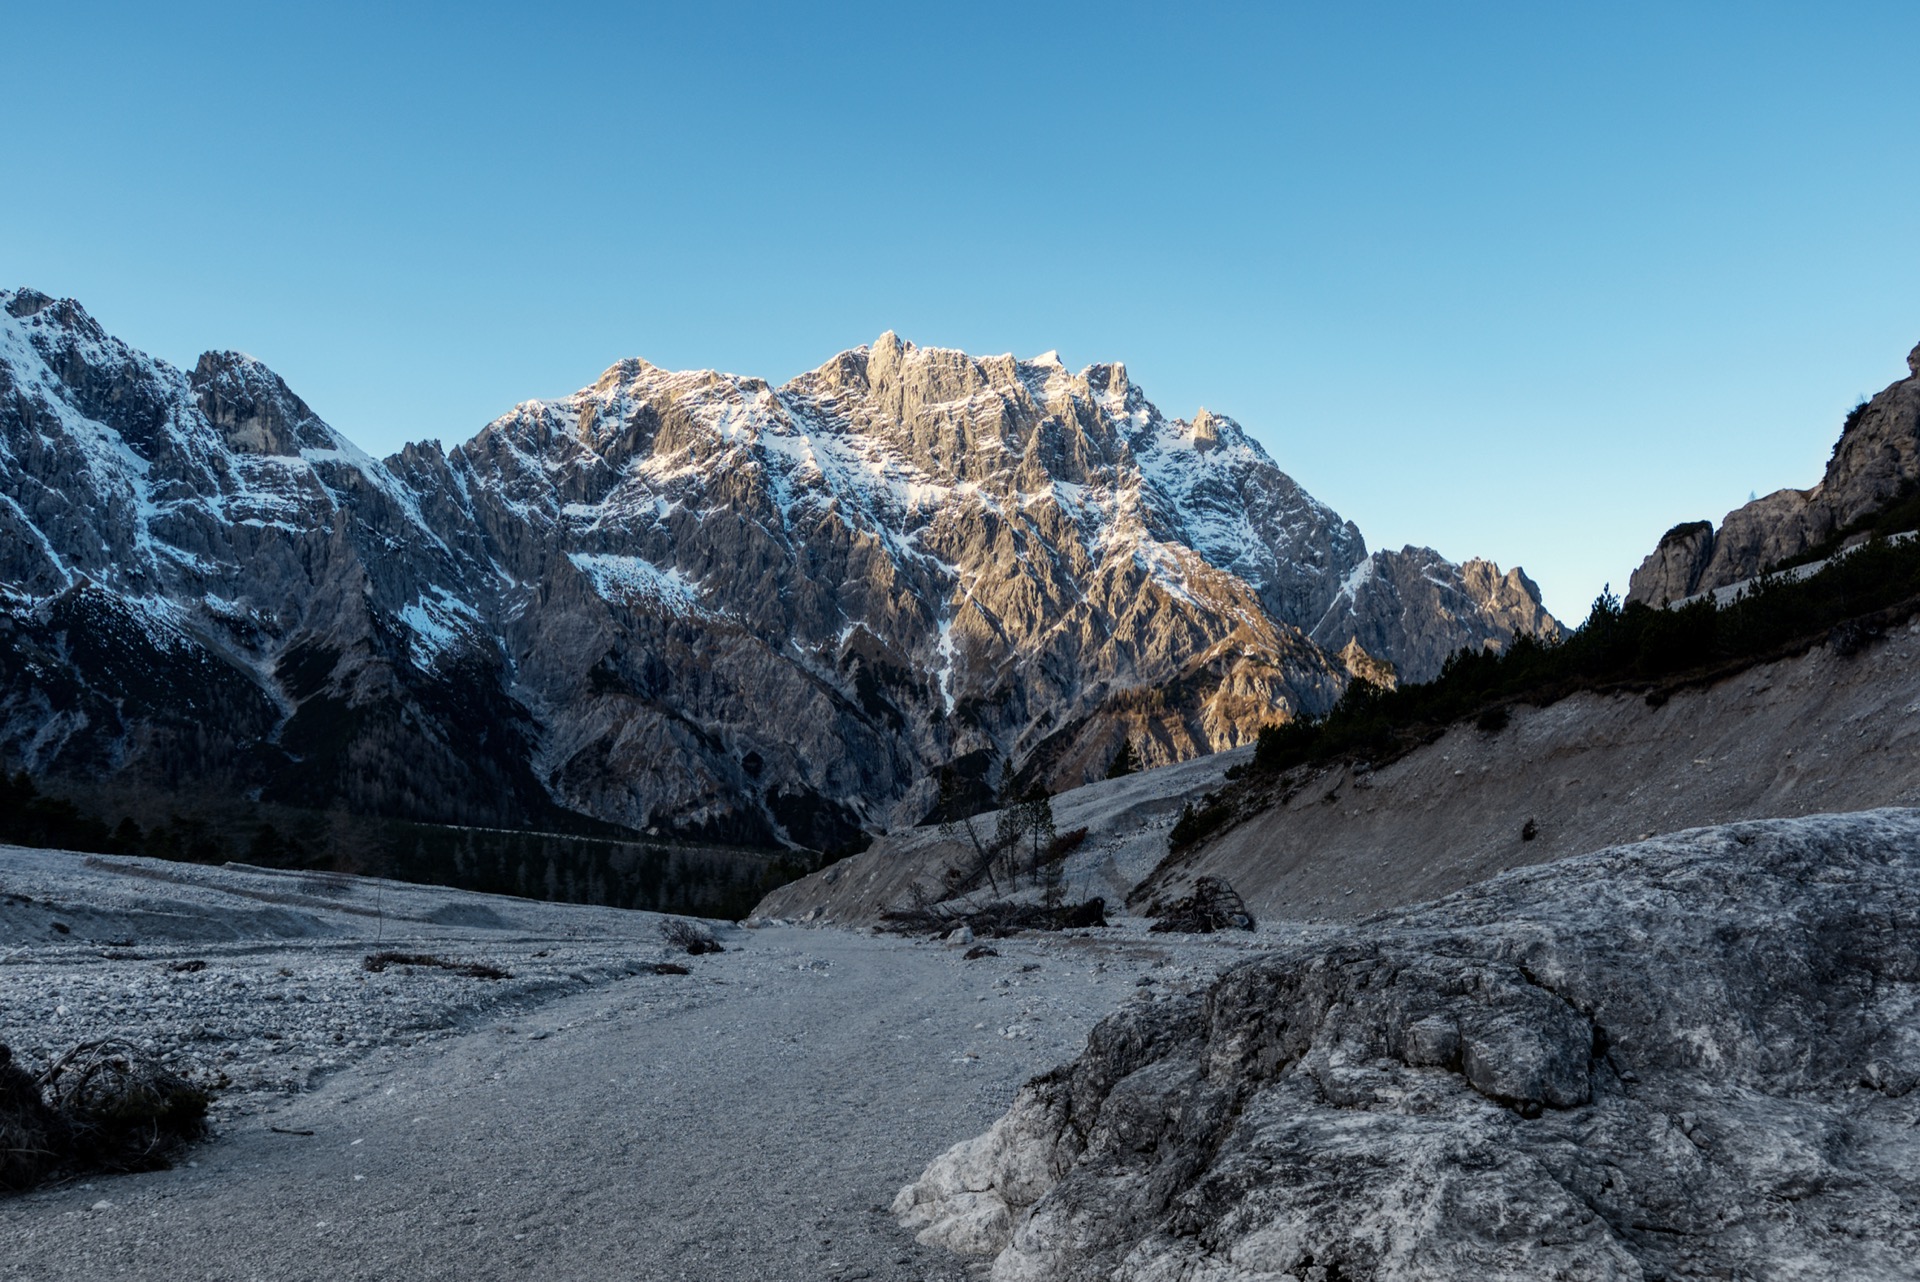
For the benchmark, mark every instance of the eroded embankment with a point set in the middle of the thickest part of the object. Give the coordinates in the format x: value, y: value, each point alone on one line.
x: 1824, y: 732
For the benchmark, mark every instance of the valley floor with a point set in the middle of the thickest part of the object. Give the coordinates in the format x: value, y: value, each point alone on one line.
x: 587, y: 1118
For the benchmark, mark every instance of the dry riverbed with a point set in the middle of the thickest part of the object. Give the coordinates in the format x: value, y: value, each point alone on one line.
x: 586, y: 1117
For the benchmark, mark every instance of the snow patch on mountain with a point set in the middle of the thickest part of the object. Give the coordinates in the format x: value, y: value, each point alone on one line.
x: 440, y: 622
x: 626, y: 579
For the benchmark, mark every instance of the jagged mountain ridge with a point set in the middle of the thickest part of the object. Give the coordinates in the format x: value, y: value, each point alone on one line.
x: 683, y: 602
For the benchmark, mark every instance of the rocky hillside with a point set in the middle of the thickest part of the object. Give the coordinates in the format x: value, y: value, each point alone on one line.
x: 1125, y: 822
x: 683, y: 603
x: 1875, y: 462
x: 1694, y: 1057
x: 1829, y: 730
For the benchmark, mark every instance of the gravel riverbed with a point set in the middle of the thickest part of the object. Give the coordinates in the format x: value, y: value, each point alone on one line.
x: 586, y: 1117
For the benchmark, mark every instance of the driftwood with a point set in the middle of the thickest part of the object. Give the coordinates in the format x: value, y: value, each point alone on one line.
x: 378, y: 962
x: 998, y: 919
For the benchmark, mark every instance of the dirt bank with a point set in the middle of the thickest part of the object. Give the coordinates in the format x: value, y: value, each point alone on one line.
x: 1824, y: 732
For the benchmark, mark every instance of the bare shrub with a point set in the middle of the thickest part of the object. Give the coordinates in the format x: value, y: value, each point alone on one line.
x: 690, y: 936
x: 31, y: 1134
x: 996, y: 920
x: 1213, y: 905
x: 119, y: 1109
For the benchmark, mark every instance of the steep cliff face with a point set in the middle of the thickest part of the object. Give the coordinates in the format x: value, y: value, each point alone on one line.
x: 1876, y: 461
x: 681, y: 602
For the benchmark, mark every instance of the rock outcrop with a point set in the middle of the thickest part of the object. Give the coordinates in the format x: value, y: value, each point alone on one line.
x: 682, y: 603
x: 1692, y: 1057
x: 1876, y: 460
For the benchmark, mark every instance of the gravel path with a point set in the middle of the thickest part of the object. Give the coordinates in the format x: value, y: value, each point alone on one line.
x: 751, y: 1120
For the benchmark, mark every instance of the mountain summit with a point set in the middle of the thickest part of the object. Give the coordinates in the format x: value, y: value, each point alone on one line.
x: 681, y: 602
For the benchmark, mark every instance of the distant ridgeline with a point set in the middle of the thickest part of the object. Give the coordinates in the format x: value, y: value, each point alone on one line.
x: 1621, y: 647
x: 704, y: 881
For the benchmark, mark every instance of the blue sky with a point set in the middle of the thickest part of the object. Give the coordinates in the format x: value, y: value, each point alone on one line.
x: 1531, y: 282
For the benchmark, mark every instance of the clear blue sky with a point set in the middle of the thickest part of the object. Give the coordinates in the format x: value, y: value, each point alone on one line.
x: 1530, y: 282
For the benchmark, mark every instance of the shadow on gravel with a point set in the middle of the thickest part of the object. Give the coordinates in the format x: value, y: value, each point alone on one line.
x: 101, y: 1107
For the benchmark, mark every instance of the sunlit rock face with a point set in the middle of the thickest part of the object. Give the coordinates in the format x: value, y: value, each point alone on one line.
x: 688, y: 603
x: 1875, y: 461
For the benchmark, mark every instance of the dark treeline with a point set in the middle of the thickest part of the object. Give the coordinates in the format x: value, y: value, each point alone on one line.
x: 699, y: 881
x: 702, y: 881
x: 1619, y: 646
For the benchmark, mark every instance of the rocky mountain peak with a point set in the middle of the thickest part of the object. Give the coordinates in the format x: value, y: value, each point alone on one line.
x: 623, y: 372
x: 686, y: 601
x: 22, y: 303
x: 253, y: 408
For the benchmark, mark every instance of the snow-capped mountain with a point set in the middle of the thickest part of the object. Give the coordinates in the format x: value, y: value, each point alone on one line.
x: 682, y: 602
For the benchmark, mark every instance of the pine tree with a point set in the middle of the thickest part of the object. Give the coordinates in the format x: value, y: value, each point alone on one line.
x: 1048, y: 867
x: 1124, y: 761
x: 1011, y: 825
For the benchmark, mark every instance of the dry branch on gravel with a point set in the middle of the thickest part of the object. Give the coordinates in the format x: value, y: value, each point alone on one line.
x: 689, y: 935
x: 998, y: 919
x: 30, y: 1133
x: 1213, y: 905
x: 377, y: 962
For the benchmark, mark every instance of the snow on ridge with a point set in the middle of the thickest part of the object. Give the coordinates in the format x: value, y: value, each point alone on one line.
x: 347, y: 453
x: 945, y: 650
x: 161, y: 621
x: 624, y: 578
x: 816, y: 449
x: 117, y: 471
x: 1162, y: 564
x: 1363, y: 573
x: 1358, y: 577
x: 439, y: 623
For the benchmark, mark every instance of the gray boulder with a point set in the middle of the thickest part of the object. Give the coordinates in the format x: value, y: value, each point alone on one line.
x: 1691, y: 1057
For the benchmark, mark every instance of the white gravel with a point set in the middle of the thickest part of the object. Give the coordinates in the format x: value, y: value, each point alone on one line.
x: 586, y: 1118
